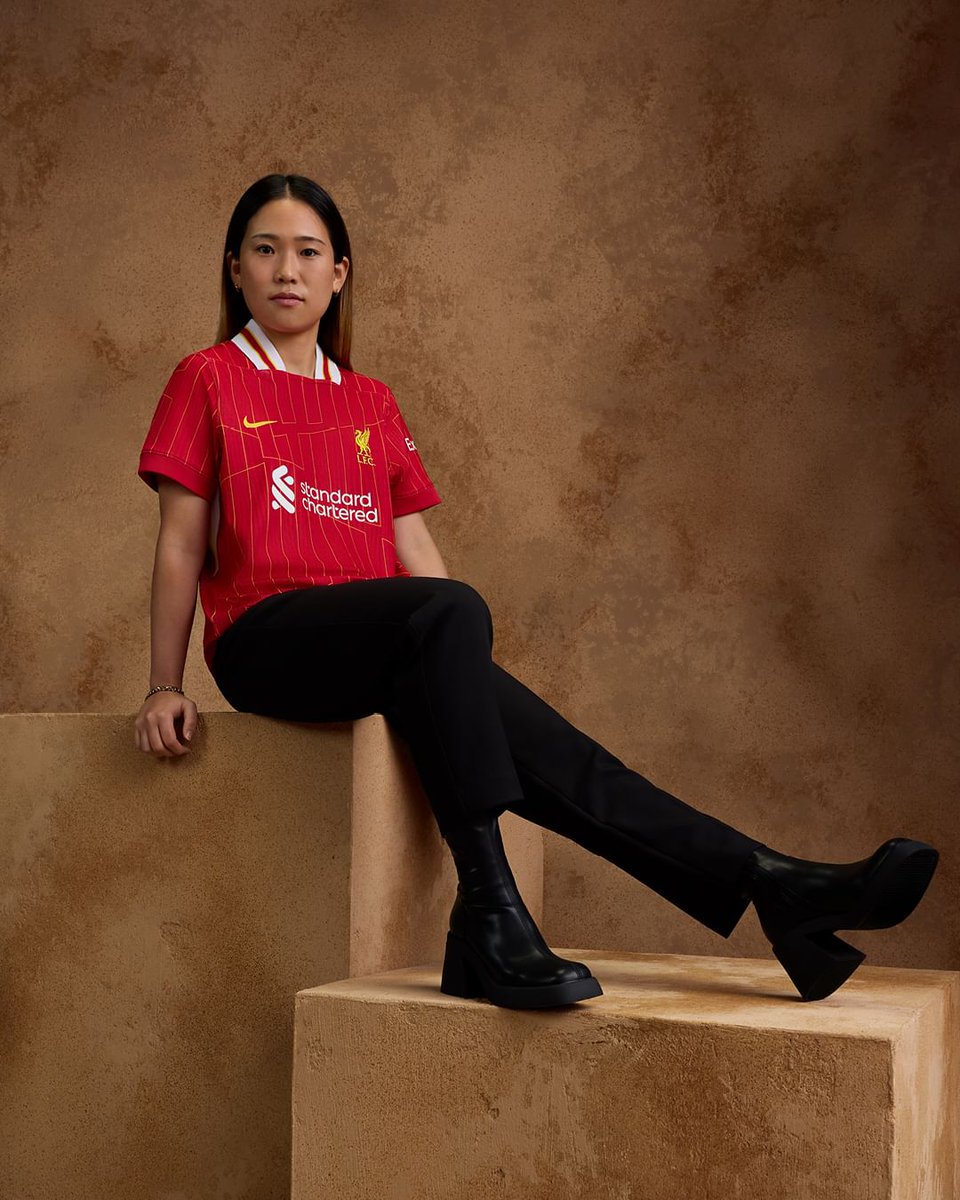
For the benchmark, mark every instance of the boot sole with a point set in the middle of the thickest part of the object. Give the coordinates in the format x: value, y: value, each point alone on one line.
x: 465, y: 975
x: 908, y: 871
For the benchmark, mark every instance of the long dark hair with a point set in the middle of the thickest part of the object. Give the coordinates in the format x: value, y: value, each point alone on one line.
x: 336, y: 324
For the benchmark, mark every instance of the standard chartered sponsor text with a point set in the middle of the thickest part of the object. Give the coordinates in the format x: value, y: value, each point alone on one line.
x: 344, y: 506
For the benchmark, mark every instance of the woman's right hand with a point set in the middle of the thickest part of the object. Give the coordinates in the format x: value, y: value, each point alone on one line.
x: 156, y: 724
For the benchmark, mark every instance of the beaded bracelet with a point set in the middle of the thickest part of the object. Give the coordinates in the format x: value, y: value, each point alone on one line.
x: 163, y: 687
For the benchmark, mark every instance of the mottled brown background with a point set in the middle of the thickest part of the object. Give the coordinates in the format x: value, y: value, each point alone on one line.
x: 668, y: 295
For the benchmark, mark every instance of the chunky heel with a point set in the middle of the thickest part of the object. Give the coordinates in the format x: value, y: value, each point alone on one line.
x: 459, y: 978
x: 817, y: 963
x: 465, y: 975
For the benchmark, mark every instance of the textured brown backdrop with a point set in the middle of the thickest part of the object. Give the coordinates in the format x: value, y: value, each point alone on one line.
x: 668, y: 295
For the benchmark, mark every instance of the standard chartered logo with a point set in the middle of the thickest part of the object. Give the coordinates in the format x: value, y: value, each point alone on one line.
x: 283, y: 494
x: 342, y: 506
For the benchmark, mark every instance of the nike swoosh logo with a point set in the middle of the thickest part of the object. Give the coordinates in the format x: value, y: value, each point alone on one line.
x: 248, y: 424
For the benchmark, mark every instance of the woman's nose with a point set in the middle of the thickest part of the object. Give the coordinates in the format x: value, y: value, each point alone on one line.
x: 286, y: 266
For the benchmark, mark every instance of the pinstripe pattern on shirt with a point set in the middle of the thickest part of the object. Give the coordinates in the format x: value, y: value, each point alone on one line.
x: 304, y: 475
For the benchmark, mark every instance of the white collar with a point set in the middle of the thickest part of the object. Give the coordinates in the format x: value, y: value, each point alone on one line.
x: 255, y: 344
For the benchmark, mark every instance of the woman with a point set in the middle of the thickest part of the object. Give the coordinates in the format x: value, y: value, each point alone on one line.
x: 291, y: 489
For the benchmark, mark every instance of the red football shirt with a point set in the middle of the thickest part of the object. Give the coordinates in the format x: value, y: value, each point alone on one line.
x: 304, y: 475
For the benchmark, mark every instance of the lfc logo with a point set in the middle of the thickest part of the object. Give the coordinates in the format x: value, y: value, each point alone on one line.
x: 363, y: 447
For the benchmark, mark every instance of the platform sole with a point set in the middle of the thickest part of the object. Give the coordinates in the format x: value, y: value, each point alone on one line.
x: 465, y: 974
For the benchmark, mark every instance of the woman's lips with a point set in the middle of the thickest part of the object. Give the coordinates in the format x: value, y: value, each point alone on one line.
x: 286, y: 301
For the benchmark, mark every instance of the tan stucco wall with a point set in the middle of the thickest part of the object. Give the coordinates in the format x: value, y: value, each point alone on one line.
x: 667, y: 294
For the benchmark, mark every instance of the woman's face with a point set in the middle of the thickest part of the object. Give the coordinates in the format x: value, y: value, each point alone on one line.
x: 287, y: 252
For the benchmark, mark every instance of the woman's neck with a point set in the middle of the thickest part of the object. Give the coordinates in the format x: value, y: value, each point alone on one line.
x: 298, y: 350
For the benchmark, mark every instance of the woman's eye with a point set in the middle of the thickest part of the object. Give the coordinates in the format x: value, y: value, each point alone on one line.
x: 262, y: 246
x: 310, y: 250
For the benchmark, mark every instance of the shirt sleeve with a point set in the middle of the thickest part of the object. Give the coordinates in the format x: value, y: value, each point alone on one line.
x: 181, y: 442
x: 411, y: 488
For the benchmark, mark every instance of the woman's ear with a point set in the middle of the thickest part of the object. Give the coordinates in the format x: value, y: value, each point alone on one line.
x: 340, y: 270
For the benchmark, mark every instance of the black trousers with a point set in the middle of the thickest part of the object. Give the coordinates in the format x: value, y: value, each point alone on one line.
x: 418, y: 650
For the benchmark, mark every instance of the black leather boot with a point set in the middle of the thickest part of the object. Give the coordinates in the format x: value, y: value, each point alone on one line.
x: 801, y: 905
x: 494, y: 948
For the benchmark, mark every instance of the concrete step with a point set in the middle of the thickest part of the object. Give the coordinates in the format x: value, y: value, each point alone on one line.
x: 157, y: 919
x: 691, y: 1078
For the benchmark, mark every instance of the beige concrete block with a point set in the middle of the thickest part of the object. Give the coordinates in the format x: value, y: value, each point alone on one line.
x: 157, y: 919
x: 691, y: 1078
